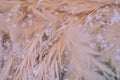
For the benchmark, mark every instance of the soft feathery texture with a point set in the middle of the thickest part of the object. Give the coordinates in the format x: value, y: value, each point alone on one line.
x: 59, y: 40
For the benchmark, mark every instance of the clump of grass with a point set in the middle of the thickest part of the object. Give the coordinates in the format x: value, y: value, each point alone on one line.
x: 41, y: 57
x: 109, y: 65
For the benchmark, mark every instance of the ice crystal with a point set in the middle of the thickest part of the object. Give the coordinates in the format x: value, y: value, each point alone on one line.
x: 89, y: 19
x: 63, y: 26
x: 16, y: 47
x: 50, y: 23
x: 39, y: 1
x: 92, y: 45
x: 57, y: 79
x: 100, y: 37
x: 116, y: 17
x: 106, y: 9
x: 48, y: 32
x: 98, y: 16
x: 14, y: 25
x: 5, y: 57
x: 30, y: 22
x: 20, y: 56
x: 104, y: 45
x: 27, y: 41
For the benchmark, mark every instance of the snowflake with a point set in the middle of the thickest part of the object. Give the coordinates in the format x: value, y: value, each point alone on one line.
x: 16, y: 47
x: 57, y: 79
x: 27, y: 41
x: 20, y: 56
x: 100, y: 37
x: 63, y: 26
x: 92, y: 45
x: 30, y: 22
x: 14, y: 25
x: 39, y: 1
x: 48, y: 32
x: 103, y: 45
x: 5, y: 58
x: 89, y: 19
x: 116, y: 17
x: 106, y: 9
x: 98, y: 16
x: 50, y: 23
